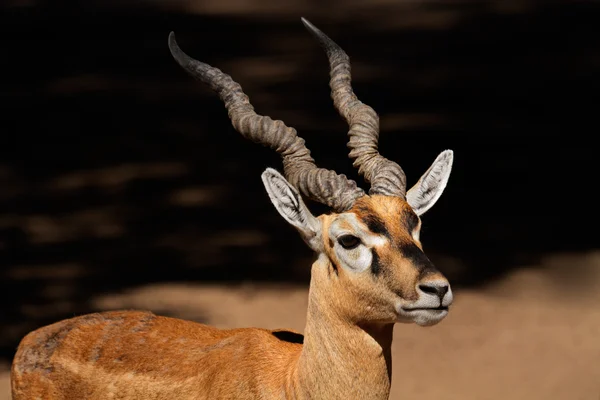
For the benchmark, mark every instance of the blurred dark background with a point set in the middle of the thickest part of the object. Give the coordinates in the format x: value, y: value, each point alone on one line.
x: 119, y: 170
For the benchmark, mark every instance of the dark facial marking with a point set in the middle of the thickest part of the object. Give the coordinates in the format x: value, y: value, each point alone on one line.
x: 375, y: 224
x: 411, y: 221
x: 375, y: 264
x: 417, y: 258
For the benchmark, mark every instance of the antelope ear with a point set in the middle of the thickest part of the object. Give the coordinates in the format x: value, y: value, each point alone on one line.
x: 429, y: 188
x: 288, y: 202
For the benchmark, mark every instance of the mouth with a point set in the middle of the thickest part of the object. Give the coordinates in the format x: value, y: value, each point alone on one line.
x: 438, y: 308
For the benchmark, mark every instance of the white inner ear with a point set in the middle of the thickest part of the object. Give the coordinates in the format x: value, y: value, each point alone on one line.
x: 429, y: 188
x: 288, y: 202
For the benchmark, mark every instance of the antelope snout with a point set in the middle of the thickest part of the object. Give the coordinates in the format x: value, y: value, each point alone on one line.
x: 435, y: 293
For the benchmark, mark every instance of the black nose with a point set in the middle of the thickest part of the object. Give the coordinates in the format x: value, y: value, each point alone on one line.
x: 434, y: 288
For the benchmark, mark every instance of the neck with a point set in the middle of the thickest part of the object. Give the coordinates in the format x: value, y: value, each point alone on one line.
x: 341, y: 359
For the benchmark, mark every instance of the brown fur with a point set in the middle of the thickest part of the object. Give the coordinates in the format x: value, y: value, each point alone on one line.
x: 132, y: 355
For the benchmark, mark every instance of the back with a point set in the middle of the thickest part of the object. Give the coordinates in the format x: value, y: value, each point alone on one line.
x: 138, y: 355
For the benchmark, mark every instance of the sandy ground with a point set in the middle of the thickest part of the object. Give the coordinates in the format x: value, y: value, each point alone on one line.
x: 533, y: 335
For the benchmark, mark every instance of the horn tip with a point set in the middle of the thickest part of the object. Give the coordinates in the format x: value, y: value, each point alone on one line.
x: 173, y: 46
x: 172, y: 41
x: 308, y: 25
x: 178, y: 54
x: 325, y: 41
x: 306, y: 22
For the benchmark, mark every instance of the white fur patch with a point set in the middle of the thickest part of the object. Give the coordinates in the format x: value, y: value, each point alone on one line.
x: 359, y: 258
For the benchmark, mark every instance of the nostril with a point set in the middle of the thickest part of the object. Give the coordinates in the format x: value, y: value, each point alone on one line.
x: 438, y: 290
x: 428, y: 289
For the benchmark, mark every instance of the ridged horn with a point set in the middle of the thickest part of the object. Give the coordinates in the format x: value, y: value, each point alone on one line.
x: 385, y: 176
x: 322, y: 185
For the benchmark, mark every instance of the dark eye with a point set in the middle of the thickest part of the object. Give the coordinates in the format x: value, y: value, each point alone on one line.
x: 348, y: 242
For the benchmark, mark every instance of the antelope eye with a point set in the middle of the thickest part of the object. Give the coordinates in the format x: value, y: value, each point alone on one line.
x: 349, y: 242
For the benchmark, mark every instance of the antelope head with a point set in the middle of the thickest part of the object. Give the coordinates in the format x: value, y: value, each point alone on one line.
x: 371, y: 260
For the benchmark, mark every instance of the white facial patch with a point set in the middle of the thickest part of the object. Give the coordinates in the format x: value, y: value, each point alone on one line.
x: 359, y: 258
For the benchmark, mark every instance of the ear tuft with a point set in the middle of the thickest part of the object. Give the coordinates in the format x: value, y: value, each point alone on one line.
x: 426, y: 192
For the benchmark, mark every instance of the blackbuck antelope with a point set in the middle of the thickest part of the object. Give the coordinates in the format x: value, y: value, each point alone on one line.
x: 370, y: 273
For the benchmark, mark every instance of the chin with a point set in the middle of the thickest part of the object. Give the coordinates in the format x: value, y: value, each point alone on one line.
x: 428, y: 317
